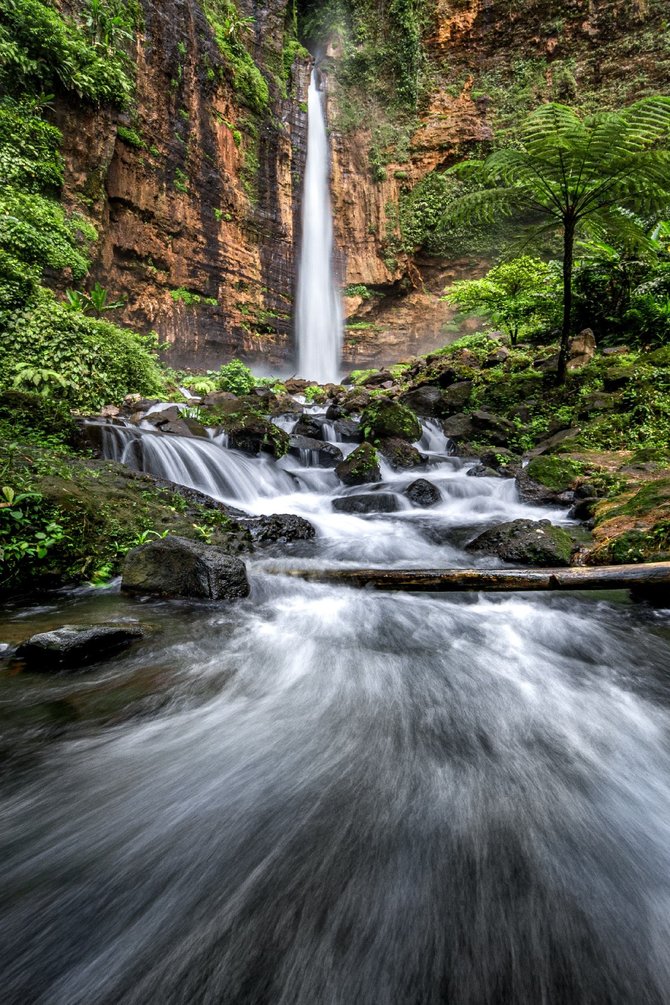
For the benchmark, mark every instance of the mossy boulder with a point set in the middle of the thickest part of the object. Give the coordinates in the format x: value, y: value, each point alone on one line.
x: 527, y: 542
x: 102, y: 509
x: 401, y: 455
x: 634, y: 526
x: 360, y: 467
x: 384, y: 419
x: 557, y: 473
x: 254, y: 434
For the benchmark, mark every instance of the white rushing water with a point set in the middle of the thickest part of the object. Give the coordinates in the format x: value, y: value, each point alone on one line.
x: 348, y: 796
x: 319, y: 312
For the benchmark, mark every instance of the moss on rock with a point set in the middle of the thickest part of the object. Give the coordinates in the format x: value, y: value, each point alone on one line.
x: 361, y: 466
x: 384, y: 419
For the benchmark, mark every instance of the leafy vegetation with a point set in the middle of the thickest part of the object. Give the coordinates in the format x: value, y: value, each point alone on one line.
x: 604, y: 174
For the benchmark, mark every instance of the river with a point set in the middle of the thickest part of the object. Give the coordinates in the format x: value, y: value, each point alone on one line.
x: 334, y: 796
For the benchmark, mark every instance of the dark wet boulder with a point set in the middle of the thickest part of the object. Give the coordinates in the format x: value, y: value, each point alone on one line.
x: 361, y: 466
x: 354, y: 402
x: 367, y: 502
x: 323, y: 455
x: 178, y: 567
x: 482, y: 471
x: 423, y: 493
x: 491, y: 428
x: 426, y: 401
x: 401, y: 455
x: 503, y: 462
x: 74, y: 646
x: 279, y: 528
x: 254, y: 435
x: 528, y: 542
x: 386, y: 419
x: 347, y: 431
x: 310, y: 426
x: 458, y: 427
x: 380, y: 378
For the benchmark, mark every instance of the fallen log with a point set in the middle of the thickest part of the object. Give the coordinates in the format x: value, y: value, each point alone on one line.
x: 654, y: 576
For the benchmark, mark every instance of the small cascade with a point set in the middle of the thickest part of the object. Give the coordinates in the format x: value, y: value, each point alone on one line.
x: 433, y: 439
x: 319, y: 313
x: 199, y: 463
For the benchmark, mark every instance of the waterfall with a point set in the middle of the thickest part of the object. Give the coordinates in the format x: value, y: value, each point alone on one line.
x: 319, y: 316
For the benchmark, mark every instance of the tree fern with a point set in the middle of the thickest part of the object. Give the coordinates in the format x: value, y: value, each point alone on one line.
x: 604, y: 174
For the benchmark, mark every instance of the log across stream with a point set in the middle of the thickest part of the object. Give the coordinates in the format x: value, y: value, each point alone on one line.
x: 654, y: 576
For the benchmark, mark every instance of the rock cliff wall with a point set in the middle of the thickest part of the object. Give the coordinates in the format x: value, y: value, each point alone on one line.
x: 196, y: 193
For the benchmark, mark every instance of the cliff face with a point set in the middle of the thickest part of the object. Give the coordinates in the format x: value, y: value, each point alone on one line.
x: 197, y: 199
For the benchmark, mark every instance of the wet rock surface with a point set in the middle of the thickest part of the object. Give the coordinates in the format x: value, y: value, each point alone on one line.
x: 178, y: 567
x: 279, y: 528
x: 528, y: 542
x: 73, y: 647
x: 367, y: 502
x: 361, y: 466
x: 401, y: 455
x: 327, y: 454
x: 423, y: 493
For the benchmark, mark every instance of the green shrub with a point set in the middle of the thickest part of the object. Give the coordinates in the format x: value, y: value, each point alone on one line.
x: 235, y: 377
x: 43, y: 50
x: 99, y: 361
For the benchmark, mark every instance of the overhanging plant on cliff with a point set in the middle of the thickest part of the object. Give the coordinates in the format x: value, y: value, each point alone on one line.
x: 605, y: 174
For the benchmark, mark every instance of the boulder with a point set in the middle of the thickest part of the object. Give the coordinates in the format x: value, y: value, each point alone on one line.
x: 549, y: 480
x: 367, y: 502
x: 253, y: 434
x: 279, y: 528
x: 164, y: 417
x: 348, y: 431
x: 426, y: 401
x: 361, y: 466
x: 618, y: 377
x: 325, y: 455
x: 492, y: 428
x: 74, y: 646
x: 597, y: 401
x: 179, y: 567
x: 562, y: 439
x: 496, y: 358
x: 455, y: 397
x: 296, y: 385
x: 215, y: 399
x: 482, y: 471
x: 423, y: 493
x: 458, y: 427
x: 401, y: 455
x: 310, y: 426
x: 528, y: 542
x: 381, y: 378
x: 582, y: 349
x: 354, y: 402
x: 386, y: 419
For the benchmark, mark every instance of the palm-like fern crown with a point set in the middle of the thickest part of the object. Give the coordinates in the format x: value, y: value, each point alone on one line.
x: 581, y: 168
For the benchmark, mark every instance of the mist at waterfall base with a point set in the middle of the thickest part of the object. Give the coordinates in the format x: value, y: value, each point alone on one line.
x: 318, y: 314
x: 347, y: 796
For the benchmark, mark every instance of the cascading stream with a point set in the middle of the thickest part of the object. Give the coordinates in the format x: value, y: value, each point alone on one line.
x: 349, y: 796
x: 319, y: 313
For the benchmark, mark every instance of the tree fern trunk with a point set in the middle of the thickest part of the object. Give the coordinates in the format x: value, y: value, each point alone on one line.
x: 568, y: 247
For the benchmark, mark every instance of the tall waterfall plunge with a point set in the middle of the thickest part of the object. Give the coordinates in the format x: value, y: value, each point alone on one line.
x: 319, y: 316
